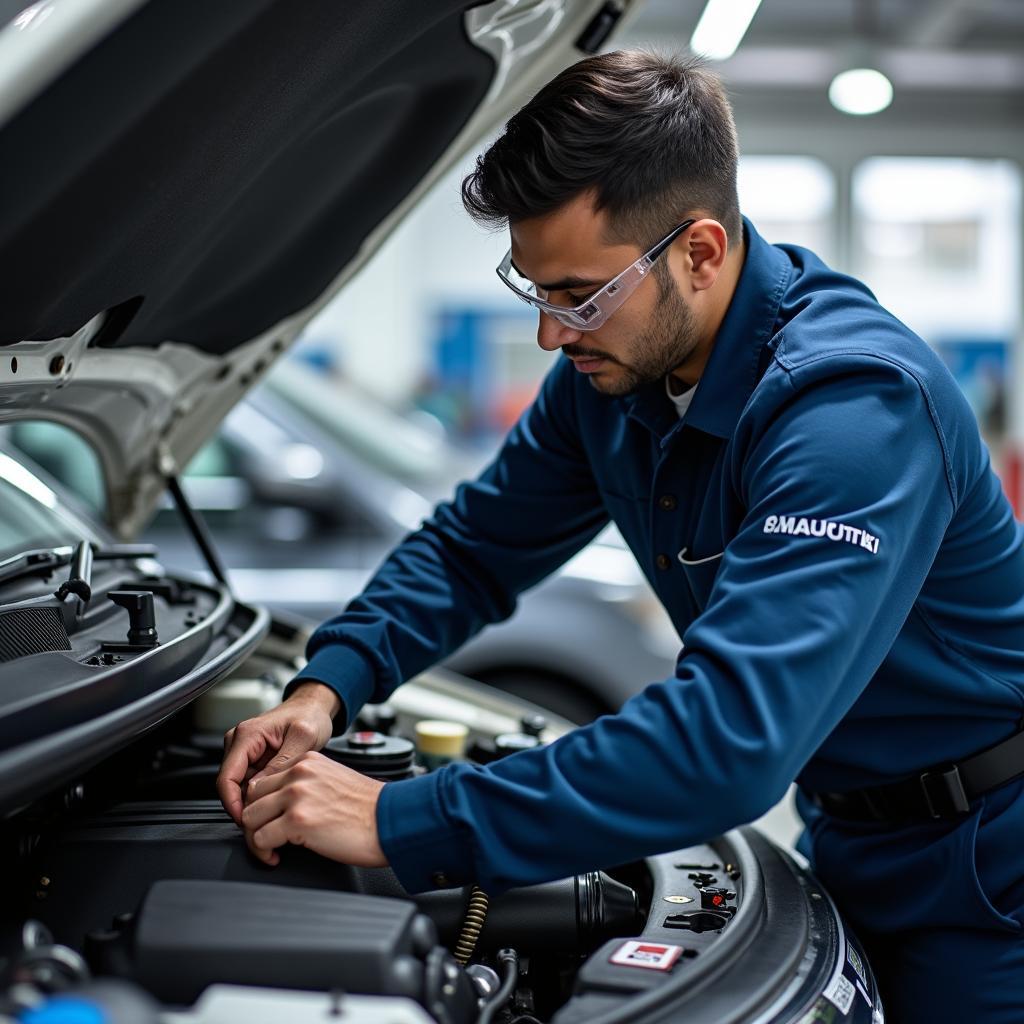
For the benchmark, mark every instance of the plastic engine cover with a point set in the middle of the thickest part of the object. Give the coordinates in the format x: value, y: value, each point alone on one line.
x: 189, y: 934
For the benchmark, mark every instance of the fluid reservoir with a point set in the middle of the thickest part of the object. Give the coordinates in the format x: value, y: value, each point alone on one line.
x: 440, y: 742
x: 225, y: 705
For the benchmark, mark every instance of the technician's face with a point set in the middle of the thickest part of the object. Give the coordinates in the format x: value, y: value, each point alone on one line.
x: 653, y: 332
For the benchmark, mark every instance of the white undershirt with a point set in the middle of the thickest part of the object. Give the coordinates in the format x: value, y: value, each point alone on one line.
x: 681, y: 401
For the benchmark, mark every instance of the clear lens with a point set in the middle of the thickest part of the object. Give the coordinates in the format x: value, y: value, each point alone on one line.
x: 585, y: 318
x: 592, y: 314
x: 522, y: 284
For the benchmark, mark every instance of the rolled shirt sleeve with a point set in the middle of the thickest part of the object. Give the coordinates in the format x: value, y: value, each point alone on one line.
x: 848, y: 496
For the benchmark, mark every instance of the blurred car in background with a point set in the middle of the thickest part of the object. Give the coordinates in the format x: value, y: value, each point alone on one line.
x: 310, y: 482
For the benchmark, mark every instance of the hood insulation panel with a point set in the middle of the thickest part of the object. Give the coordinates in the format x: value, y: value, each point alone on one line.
x: 209, y: 168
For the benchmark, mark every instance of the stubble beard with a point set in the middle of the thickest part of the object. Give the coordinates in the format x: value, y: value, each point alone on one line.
x: 667, y: 342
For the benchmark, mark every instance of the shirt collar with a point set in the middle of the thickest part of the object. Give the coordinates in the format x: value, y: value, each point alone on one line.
x: 735, y: 364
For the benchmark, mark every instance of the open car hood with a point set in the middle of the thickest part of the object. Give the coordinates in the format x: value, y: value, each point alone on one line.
x: 184, y: 185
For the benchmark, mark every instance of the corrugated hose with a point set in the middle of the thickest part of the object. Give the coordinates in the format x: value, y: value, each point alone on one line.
x: 476, y: 915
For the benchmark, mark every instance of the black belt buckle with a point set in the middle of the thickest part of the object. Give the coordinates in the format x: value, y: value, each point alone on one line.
x: 944, y: 793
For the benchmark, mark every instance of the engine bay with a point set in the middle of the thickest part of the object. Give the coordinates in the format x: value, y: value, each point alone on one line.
x: 130, y: 888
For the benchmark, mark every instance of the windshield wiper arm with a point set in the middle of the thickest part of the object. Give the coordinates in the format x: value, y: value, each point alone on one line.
x: 79, y: 582
x: 46, y: 559
x: 36, y: 560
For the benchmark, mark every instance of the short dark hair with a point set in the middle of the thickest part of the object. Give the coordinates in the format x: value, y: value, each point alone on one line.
x: 653, y: 136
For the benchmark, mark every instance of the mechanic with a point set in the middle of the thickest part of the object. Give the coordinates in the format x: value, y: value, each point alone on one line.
x: 806, y: 489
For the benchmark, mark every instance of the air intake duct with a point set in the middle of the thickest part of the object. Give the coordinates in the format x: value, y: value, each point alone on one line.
x: 571, y: 915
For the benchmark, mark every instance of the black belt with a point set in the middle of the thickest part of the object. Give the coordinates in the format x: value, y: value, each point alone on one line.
x: 945, y: 791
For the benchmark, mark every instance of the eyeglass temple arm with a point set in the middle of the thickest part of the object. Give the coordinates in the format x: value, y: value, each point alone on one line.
x: 669, y: 239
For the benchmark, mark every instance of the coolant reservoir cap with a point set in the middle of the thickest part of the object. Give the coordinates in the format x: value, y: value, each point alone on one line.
x: 365, y: 739
x: 443, y: 739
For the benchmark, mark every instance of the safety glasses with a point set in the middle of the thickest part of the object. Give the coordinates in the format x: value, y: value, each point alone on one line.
x: 591, y: 314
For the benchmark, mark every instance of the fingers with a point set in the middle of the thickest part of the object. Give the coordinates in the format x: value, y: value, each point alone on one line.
x: 299, y: 739
x: 269, y: 857
x: 275, y: 818
x: 289, y: 827
x: 246, y: 746
x: 266, y: 808
x: 269, y: 799
x: 317, y: 804
x: 258, y: 812
x: 265, y: 781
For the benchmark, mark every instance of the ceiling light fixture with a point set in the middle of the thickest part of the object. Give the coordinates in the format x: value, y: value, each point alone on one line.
x: 860, y: 91
x: 860, y: 88
x: 721, y: 27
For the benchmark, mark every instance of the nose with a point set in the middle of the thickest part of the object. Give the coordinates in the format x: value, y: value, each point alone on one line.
x: 552, y: 335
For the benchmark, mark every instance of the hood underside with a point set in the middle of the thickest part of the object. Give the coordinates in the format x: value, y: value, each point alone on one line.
x: 183, y: 194
x: 196, y: 173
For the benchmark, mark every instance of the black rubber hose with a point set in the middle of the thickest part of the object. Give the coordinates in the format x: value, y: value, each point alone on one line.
x: 510, y: 959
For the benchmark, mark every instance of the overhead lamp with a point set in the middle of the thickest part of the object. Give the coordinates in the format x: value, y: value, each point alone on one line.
x: 721, y: 27
x: 860, y: 91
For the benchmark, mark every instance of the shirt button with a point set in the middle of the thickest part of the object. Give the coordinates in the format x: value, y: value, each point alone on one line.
x: 667, y: 502
x: 663, y: 561
x: 440, y: 880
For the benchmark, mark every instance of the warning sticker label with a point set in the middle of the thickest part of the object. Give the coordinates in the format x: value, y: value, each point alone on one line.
x: 840, y: 993
x: 856, y: 963
x: 651, y: 955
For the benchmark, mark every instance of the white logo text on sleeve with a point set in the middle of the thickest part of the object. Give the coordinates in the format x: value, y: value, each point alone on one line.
x: 798, y: 526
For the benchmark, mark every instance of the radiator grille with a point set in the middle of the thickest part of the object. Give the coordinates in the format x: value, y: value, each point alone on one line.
x: 27, y: 631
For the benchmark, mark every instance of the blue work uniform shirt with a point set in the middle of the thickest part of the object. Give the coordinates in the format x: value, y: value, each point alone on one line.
x: 826, y: 533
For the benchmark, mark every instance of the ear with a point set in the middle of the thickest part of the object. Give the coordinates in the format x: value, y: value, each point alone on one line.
x: 704, y: 250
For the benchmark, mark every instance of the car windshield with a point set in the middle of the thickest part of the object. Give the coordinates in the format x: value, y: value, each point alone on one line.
x: 29, y: 517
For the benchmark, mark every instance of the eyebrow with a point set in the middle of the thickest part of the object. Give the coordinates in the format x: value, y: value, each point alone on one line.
x: 569, y: 283
x: 565, y: 284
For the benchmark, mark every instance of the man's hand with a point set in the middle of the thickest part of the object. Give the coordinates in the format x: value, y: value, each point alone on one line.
x: 275, y: 741
x: 316, y: 803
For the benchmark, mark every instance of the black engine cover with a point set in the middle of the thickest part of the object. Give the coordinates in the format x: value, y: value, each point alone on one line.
x: 190, y: 934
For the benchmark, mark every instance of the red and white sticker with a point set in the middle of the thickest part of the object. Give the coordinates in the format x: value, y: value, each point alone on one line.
x: 651, y: 955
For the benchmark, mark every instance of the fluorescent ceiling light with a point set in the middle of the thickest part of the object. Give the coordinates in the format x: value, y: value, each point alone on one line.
x: 860, y: 91
x: 722, y: 26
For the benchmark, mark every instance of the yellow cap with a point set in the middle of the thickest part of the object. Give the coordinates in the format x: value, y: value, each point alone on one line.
x: 442, y: 739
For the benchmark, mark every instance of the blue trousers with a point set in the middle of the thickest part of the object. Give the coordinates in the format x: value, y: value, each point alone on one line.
x: 959, y: 976
x: 939, y: 907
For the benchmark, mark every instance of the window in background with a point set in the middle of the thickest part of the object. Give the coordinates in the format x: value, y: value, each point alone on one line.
x: 790, y: 199
x: 938, y: 240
